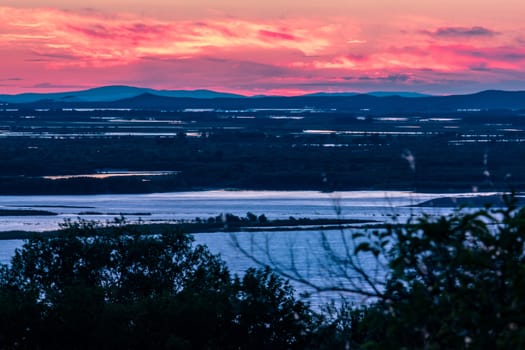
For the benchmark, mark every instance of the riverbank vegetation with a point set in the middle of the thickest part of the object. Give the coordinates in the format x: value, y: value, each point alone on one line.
x: 258, y: 150
x: 452, y: 282
x: 225, y: 222
x: 126, y: 290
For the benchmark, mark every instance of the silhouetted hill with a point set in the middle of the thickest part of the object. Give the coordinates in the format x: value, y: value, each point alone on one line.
x: 136, y: 98
x: 472, y: 202
x: 388, y: 104
x: 372, y: 93
x: 109, y: 93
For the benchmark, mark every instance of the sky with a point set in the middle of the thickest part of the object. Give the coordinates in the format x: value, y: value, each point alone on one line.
x: 284, y: 47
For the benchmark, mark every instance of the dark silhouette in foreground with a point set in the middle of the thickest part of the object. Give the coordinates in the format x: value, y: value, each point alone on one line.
x: 122, y: 290
x: 448, y: 282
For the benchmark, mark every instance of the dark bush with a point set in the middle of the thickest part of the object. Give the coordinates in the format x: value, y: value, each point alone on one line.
x: 82, y: 289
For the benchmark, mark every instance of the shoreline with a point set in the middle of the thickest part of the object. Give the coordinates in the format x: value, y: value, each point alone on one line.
x: 198, y: 228
x: 228, y: 222
x: 449, y: 191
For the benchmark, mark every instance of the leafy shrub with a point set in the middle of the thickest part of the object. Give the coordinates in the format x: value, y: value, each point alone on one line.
x: 90, y: 288
x: 455, y: 282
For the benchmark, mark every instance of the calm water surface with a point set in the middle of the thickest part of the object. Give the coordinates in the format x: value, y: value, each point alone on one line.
x: 299, y: 252
x: 169, y: 207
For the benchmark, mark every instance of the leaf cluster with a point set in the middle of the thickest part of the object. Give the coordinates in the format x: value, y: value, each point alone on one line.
x: 455, y: 282
x: 112, y: 288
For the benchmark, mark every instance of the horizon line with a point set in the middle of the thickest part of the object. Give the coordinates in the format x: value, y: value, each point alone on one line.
x: 226, y: 92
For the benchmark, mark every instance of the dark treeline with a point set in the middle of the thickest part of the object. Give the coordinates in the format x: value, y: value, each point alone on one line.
x: 221, y: 223
x: 322, y: 150
x: 259, y: 161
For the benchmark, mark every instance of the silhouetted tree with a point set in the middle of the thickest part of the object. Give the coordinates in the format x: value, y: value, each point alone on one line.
x: 448, y: 282
x: 454, y: 282
x: 112, y: 288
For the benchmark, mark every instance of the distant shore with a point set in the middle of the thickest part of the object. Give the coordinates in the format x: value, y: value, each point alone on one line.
x: 236, y: 224
x: 105, y: 187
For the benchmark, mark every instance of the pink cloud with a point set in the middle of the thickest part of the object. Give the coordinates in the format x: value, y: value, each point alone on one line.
x: 97, y: 31
x: 96, y: 40
x: 241, y: 55
x: 276, y: 35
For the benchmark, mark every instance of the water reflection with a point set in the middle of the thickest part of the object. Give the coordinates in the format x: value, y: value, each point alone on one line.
x: 172, y: 207
x: 107, y: 174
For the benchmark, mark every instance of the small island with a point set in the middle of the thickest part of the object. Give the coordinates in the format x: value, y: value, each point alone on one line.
x: 26, y: 212
x: 220, y: 223
x: 496, y: 200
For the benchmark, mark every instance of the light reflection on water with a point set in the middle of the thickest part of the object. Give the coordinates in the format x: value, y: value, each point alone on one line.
x: 300, y: 254
x: 107, y: 174
x: 286, y: 249
x: 169, y: 207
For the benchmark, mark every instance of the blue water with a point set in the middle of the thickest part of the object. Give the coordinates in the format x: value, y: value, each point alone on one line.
x: 297, y: 254
x: 169, y: 207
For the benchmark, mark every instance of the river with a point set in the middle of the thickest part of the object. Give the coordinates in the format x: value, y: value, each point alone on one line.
x: 170, y: 207
x: 299, y: 252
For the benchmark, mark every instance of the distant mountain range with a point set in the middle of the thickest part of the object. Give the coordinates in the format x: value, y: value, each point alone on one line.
x: 117, y: 92
x: 111, y: 93
x: 373, y: 93
x: 374, y: 102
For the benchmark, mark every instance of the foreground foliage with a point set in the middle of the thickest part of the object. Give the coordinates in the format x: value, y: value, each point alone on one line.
x: 123, y: 290
x: 455, y: 282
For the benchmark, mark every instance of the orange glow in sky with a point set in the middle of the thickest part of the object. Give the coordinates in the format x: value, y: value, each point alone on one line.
x: 278, y: 47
